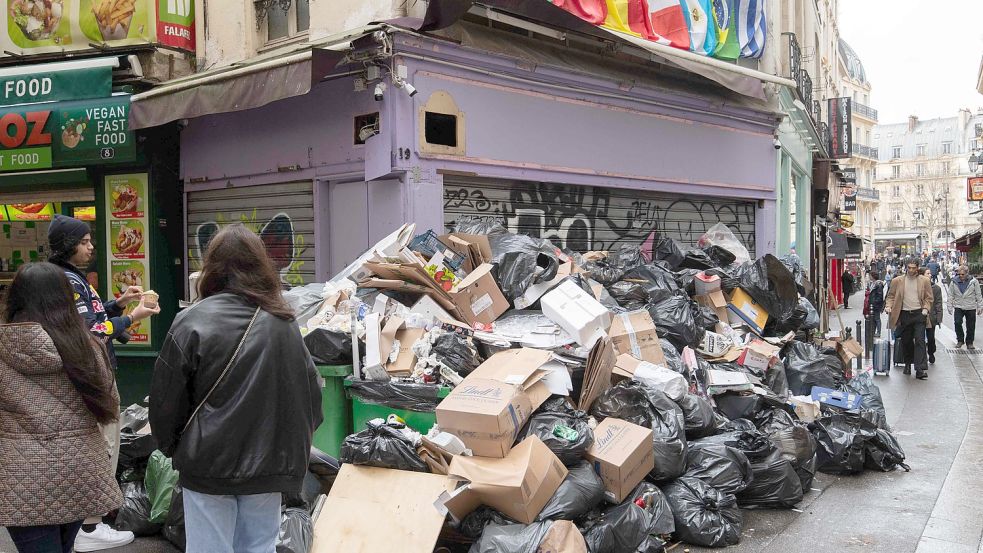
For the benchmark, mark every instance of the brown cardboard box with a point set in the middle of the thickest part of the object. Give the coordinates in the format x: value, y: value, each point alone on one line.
x: 622, y: 454
x: 634, y: 333
x: 518, y: 486
x: 759, y: 355
x: 716, y: 301
x: 744, y: 310
x: 848, y: 350
x: 363, y: 498
x: 492, y: 404
x: 474, y: 248
x: 597, y: 375
x: 406, y: 360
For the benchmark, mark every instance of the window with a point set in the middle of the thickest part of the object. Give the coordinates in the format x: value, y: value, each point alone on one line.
x: 946, y: 148
x: 946, y: 169
x: 920, y: 150
x: 920, y: 170
x: 896, y: 171
x: 896, y: 191
x: 896, y: 215
x: 920, y: 190
x: 896, y: 152
x: 282, y: 24
x: 867, y: 136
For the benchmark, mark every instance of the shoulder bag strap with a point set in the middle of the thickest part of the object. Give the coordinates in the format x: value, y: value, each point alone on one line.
x: 224, y: 371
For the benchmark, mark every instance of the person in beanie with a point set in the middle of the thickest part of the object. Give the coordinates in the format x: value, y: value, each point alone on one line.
x: 70, y: 243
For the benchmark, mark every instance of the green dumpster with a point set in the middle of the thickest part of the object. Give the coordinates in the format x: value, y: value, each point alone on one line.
x: 336, y: 409
x: 364, y: 411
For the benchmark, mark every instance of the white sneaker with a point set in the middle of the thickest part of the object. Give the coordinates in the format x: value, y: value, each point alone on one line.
x: 103, y: 537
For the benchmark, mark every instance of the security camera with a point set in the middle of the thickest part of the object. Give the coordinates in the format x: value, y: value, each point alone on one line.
x: 777, y: 144
x: 410, y: 89
x: 380, y: 91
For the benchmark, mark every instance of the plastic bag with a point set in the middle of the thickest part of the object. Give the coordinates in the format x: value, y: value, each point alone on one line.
x: 685, y: 278
x: 773, y: 419
x: 776, y: 380
x: 799, y: 446
x: 620, y: 529
x: 174, y: 525
x: 625, y: 400
x: 755, y: 445
x: 720, y: 256
x: 329, y: 347
x: 699, y: 416
x: 668, y: 250
x: 842, y: 442
x: 580, y: 491
x: 696, y: 259
x: 521, y: 261
x: 863, y: 384
x: 736, y: 406
x: 811, y: 321
x: 662, y: 379
x: 674, y: 361
x: 806, y: 367
x: 884, y: 453
x: 656, y: 278
x: 721, y: 235
x: 521, y: 538
x: 307, y: 496
x: 721, y: 466
x: 630, y: 295
x: 134, y: 514
x: 612, y: 267
x: 305, y: 300
x: 160, y: 480
x: 568, y: 435
x: 324, y: 467
x: 456, y: 351
x: 135, y: 449
x: 703, y: 515
x: 296, y: 532
x: 381, y: 446
x: 704, y: 317
x: 673, y: 318
x: 396, y: 395
x: 668, y: 437
x: 775, y: 484
x: 770, y: 284
x: 134, y: 417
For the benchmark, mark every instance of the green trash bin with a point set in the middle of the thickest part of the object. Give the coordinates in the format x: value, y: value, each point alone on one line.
x: 336, y: 409
x: 363, y: 411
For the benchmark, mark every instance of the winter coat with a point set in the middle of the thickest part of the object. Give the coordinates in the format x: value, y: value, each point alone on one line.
x: 105, y: 319
x: 969, y: 300
x: 254, y: 433
x: 895, y: 297
x: 877, y: 297
x: 936, y: 313
x: 55, y: 464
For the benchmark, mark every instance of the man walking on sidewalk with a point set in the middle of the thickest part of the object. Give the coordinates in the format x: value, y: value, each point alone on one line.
x: 848, y: 281
x: 965, y: 302
x: 908, y: 303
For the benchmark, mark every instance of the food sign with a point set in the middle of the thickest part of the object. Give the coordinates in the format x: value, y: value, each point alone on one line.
x: 974, y: 189
x: 31, y: 212
x: 126, y: 234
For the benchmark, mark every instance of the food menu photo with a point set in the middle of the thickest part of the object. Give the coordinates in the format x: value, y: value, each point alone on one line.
x: 129, y: 252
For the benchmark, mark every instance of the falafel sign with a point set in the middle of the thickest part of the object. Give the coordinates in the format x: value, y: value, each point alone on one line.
x: 129, y: 255
x: 66, y: 134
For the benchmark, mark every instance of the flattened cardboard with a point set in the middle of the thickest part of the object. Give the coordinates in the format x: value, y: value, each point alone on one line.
x: 848, y: 350
x: 406, y: 360
x: 634, y: 333
x: 538, y: 290
x: 622, y: 455
x: 806, y: 408
x: 597, y: 375
x: 518, y: 486
x: 362, y: 498
x: 743, y: 309
x: 577, y: 312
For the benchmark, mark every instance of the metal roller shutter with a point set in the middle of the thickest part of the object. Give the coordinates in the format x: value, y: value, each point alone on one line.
x: 584, y: 218
x: 282, y: 214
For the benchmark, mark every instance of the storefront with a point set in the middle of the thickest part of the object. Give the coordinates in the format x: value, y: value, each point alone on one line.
x: 66, y: 149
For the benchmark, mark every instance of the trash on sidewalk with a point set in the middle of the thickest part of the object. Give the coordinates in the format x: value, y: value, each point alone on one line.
x: 622, y: 454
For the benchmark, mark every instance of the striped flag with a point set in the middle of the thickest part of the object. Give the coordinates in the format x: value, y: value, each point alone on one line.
x: 591, y: 11
x: 752, y: 27
x: 668, y: 22
x: 702, y: 34
x: 618, y: 11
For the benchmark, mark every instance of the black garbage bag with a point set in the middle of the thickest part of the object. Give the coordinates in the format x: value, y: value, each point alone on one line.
x: 531, y: 538
x: 472, y: 525
x: 307, y: 496
x: 795, y: 321
x: 620, y: 529
x: 521, y: 261
x: 884, y: 453
x: 133, y: 418
x: 811, y: 321
x: 720, y: 256
x: 736, y: 425
x: 673, y: 318
x: 704, y: 317
x: 724, y: 467
x: 656, y: 278
x: 630, y: 295
x: 674, y: 360
x: 612, y: 268
x: 774, y: 419
x: 703, y: 515
x: 776, y: 380
x: 685, y: 279
x: 396, y: 395
x: 738, y: 406
x: 668, y: 250
x: 699, y: 416
x: 135, y: 449
x: 457, y: 351
x: 134, y: 514
x: 807, y: 473
x: 627, y: 401
x: 581, y: 491
x: 842, y: 441
x: 568, y: 435
x: 775, y: 485
x: 771, y: 285
x: 329, y: 347
x: 805, y: 367
x: 871, y: 399
x: 174, y: 525
x: 753, y: 444
x: 799, y: 446
x: 324, y: 467
x: 697, y: 259
x: 296, y: 532
x: 381, y: 446
x: 668, y: 436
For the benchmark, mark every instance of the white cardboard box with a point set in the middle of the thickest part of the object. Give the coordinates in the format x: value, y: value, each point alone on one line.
x: 577, y: 312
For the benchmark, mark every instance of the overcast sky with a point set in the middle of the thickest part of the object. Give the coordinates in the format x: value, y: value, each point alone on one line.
x: 922, y: 58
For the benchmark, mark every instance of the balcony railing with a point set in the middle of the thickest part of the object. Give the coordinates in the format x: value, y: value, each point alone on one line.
x: 861, y: 150
x: 865, y: 111
x: 868, y: 193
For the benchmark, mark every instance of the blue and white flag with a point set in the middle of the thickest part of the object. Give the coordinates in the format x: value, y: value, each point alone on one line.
x: 752, y: 27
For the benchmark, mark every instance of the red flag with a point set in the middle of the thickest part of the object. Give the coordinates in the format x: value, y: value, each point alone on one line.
x: 591, y: 11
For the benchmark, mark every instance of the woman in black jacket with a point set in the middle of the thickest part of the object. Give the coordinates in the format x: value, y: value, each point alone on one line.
x: 235, y: 400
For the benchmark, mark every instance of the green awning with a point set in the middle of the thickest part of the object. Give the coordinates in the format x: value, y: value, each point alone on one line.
x: 45, y: 180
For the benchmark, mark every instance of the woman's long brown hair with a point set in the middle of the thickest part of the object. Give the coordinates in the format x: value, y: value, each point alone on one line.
x: 236, y: 262
x: 41, y: 293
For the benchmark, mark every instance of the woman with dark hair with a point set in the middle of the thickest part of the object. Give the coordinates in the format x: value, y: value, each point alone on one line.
x: 57, y: 388
x: 235, y: 400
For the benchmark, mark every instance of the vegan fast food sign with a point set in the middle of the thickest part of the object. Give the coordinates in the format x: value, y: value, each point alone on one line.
x: 42, y: 26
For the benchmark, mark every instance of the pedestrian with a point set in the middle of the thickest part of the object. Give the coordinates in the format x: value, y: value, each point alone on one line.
x: 58, y: 387
x: 848, y: 281
x: 70, y: 243
x: 965, y: 302
x: 933, y: 267
x: 235, y: 399
x: 934, y: 318
x: 875, y: 302
x: 908, y: 303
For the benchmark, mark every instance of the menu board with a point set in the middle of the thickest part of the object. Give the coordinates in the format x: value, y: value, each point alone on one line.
x: 87, y: 213
x: 126, y: 234
x: 30, y: 212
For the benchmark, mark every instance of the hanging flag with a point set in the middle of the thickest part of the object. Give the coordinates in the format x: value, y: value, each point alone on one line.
x: 729, y: 46
x: 594, y: 12
x: 721, y: 22
x: 640, y: 22
x: 618, y: 17
x: 702, y: 35
x: 752, y: 28
x: 668, y: 22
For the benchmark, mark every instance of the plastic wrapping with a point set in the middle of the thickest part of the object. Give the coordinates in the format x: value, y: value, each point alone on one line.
x: 673, y: 318
x: 456, y: 351
x: 568, y: 435
x: 160, y: 481
x: 806, y: 367
x: 703, y: 515
x: 396, y: 395
x: 699, y: 416
x: 296, y: 532
x: 305, y: 300
x: 324, y: 467
x: 721, y: 235
x: 329, y: 347
x: 719, y: 255
x: 770, y: 284
x: 884, y: 453
x: 625, y: 400
x: 842, y: 442
x: 134, y: 514
x: 174, y: 525
x: 521, y: 261
x: 630, y: 295
x: 721, y: 466
x: 134, y: 417
x: 668, y: 250
x: 528, y: 327
x: 581, y: 491
x: 381, y: 446
x: 656, y: 278
x: 775, y: 485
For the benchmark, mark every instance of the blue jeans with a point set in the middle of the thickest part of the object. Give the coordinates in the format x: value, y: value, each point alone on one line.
x: 54, y: 538
x: 231, y: 523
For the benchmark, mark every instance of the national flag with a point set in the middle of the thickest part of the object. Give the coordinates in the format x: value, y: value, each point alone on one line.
x: 669, y: 22
x: 752, y: 27
x: 729, y: 46
x: 721, y: 22
x: 618, y: 17
x: 702, y: 34
x: 591, y: 11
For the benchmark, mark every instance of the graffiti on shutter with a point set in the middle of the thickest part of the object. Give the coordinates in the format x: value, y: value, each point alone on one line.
x: 584, y: 218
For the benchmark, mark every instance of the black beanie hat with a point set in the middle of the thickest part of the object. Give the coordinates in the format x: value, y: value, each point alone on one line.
x: 66, y: 230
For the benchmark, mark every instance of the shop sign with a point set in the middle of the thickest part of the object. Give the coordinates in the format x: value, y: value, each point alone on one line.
x: 176, y: 24
x: 66, y: 134
x: 840, y: 121
x: 974, y: 189
x: 39, y: 85
x: 126, y: 233
x: 84, y: 213
x: 850, y: 202
x: 850, y: 175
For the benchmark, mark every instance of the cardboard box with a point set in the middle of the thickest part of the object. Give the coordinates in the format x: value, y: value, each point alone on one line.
x: 706, y: 284
x: 744, y: 310
x: 597, y: 374
x: 474, y: 247
x: 659, y: 377
x: 759, y: 355
x: 577, y: 312
x: 848, y: 350
x: 719, y: 382
x: 518, y: 486
x: 389, y: 248
x: 634, y: 333
x: 539, y: 289
x: 363, y: 498
x: 487, y: 410
x: 715, y: 300
x: 622, y: 455
x: 806, y: 408
x: 837, y: 398
x: 406, y: 359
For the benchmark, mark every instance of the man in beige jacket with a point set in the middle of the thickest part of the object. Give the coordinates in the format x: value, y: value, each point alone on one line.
x: 908, y: 303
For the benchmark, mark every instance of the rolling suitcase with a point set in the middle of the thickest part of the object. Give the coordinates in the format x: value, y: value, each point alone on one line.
x: 882, y: 357
x: 898, y: 353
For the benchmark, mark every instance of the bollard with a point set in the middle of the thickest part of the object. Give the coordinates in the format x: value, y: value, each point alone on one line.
x: 859, y: 335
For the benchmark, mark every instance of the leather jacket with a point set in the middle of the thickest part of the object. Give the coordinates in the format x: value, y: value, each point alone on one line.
x: 254, y: 433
